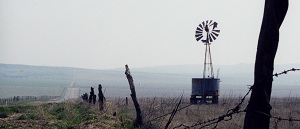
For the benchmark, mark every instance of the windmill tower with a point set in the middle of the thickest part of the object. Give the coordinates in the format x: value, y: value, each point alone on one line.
x: 206, y: 89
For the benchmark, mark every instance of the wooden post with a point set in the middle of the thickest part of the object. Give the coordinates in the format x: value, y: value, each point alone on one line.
x: 101, y: 98
x: 138, y: 121
x: 173, y: 113
x: 259, y: 104
x: 94, y: 99
x: 91, y: 98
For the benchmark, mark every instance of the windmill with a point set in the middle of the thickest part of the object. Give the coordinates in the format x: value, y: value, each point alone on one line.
x: 207, y: 32
x: 206, y: 89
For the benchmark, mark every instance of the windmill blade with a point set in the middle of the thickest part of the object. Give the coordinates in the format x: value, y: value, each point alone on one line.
x: 212, y: 36
x: 206, y: 22
x: 210, y: 39
x: 199, y: 29
x: 199, y: 32
x: 210, y: 22
x: 198, y: 38
x: 198, y: 35
x: 203, y: 23
x: 216, y: 31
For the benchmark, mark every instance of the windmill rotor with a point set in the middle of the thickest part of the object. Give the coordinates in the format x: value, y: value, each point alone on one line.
x: 207, y: 31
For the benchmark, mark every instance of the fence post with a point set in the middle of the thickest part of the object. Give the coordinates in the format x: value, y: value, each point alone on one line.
x: 101, y: 98
x: 259, y: 107
x: 91, y: 95
x: 94, y: 99
x: 138, y: 121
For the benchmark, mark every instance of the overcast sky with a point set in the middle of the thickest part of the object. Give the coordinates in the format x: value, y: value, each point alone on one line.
x: 105, y: 34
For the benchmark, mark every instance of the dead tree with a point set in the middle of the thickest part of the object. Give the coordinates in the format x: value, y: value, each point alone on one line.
x: 258, y: 108
x: 101, y: 98
x: 138, y: 121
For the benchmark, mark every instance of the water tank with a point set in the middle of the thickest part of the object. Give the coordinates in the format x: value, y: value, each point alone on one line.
x: 205, y: 90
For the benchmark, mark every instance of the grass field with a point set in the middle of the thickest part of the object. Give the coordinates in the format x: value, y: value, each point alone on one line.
x: 71, y: 114
x: 76, y: 114
x: 20, y: 80
x: 24, y: 80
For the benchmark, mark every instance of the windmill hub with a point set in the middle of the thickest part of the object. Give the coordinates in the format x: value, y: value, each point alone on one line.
x: 206, y: 29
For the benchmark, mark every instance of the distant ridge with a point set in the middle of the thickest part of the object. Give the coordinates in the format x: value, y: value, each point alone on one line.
x: 37, y: 66
x: 193, y: 69
x: 15, y: 79
x: 175, y: 69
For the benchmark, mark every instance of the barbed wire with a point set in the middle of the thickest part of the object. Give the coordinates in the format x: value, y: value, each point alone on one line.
x: 285, y: 72
x: 228, y: 116
x: 275, y: 117
x: 169, y: 113
x: 225, y: 117
x: 237, y: 109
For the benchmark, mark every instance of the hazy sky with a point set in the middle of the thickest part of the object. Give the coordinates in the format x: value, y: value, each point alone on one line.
x: 105, y: 34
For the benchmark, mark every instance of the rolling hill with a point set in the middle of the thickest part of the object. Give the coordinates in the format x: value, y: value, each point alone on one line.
x: 25, y: 80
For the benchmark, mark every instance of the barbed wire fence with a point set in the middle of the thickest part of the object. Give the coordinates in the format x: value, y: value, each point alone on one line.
x: 5, y: 101
x: 236, y: 110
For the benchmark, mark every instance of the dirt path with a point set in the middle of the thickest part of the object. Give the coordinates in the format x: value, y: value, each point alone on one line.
x: 71, y: 94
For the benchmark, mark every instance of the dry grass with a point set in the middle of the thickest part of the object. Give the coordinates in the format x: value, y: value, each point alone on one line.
x: 155, y: 107
x: 119, y: 115
x: 71, y: 114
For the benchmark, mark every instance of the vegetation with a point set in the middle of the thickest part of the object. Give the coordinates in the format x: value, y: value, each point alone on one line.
x: 22, y: 80
x: 117, y: 114
x: 153, y: 108
x: 72, y: 114
x: 77, y: 114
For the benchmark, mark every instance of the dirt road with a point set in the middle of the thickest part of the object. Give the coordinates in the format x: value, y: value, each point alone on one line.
x: 71, y: 94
